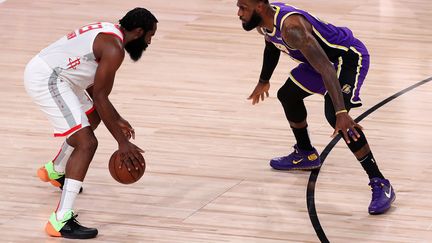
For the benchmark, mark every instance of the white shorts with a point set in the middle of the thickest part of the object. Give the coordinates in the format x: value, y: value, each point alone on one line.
x: 66, y: 106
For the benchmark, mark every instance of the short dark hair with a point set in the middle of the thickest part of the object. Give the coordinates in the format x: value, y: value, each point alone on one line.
x: 138, y: 18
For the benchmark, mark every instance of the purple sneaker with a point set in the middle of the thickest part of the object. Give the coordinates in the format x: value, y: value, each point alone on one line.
x: 297, y: 160
x: 382, y: 195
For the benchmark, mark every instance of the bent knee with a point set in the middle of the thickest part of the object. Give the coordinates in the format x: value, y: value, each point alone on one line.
x: 282, y: 95
x: 87, y: 141
x: 91, y: 144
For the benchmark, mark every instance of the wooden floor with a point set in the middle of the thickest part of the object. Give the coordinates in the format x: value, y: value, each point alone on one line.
x: 207, y: 148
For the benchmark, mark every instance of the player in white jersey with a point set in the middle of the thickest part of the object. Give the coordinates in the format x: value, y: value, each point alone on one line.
x: 70, y: 80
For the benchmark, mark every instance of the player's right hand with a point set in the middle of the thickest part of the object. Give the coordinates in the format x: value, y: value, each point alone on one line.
x: 126, y: 128
x: 346, y: 126
x: 130, y: 156
x: 260, y: 91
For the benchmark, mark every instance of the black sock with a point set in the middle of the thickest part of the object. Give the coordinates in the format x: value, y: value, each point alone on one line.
x: 369, y: 165
x: 302, y: 137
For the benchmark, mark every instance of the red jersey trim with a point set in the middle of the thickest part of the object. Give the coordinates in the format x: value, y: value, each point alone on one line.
x: 121, y: 31
x: 73, y: 129
x: 114, y: 34
x: 90, y: 110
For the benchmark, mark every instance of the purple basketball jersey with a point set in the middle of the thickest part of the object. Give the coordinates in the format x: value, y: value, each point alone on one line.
x: 349, y: 56
x: 339, y: 38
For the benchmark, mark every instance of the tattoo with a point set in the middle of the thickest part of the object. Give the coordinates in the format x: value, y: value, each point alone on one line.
x: 294, y: 36
x: 295, y: 31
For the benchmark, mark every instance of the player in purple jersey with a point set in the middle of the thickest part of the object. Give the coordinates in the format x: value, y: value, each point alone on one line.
x: 332, y: 63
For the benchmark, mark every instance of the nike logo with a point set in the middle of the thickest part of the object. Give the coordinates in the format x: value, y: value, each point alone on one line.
x: 297, y: 161
x: 389, y: 192
x: 279, y: 38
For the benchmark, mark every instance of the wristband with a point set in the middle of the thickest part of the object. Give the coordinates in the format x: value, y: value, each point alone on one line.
x: 341, y: 111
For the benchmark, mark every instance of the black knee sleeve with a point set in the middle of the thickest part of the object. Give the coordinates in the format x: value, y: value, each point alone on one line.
x: 291, y: 98
x: 330, y: 115
x: 330, y: 111
x: 355, y: 146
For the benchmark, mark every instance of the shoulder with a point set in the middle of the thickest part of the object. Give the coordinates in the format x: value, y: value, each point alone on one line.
x: 108, y: 45
x: 296, y: 25
x: 295, y: 21
x: 296, y: 30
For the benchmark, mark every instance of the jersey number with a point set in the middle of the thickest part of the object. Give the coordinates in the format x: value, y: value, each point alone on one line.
x: 84, y: 29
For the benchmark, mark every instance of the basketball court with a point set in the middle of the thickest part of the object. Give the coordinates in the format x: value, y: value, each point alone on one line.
x: 207, y: 148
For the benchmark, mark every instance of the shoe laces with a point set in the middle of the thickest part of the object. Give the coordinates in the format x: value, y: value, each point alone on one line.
x: 376, y: 188
x: 297, y: 154
x: 73, y: 222
x: 296, y: 151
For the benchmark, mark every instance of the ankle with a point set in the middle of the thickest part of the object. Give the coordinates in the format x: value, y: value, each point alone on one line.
x: 302, y: 138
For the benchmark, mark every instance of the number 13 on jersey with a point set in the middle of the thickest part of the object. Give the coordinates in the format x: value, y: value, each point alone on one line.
x: 84, y: 29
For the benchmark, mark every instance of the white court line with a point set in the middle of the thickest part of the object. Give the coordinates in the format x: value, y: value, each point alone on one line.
x: 2, y: 1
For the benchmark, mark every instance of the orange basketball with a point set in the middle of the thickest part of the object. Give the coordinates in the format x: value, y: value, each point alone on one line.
x: 123, y: 175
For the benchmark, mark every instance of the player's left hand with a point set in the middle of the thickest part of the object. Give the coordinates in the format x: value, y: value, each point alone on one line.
x: 346, y: 125
x: 126, y: 128
x: 261, y: 90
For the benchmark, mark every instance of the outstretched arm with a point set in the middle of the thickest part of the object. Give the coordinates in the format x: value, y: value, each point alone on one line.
x: 270, y: 60
x: 297, y: 32
x: 109, y: 51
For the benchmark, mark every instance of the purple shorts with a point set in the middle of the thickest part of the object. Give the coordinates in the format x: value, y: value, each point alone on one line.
x: 351, y: 69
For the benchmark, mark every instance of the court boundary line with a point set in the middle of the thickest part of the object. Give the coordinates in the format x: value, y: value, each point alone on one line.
x: 310, y: 191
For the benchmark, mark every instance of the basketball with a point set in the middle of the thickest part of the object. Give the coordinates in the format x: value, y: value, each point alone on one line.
x: 123, y: 175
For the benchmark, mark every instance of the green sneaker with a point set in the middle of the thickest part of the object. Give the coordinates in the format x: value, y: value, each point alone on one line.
x: 47, y: 174
x: 69, y: 227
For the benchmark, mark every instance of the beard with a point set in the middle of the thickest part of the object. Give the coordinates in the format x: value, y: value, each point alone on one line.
x: 136, y: 48
x: 254, y: 21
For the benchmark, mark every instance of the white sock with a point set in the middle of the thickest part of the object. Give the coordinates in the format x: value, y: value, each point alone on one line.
x: 62, y: 157
x: 71, y: 189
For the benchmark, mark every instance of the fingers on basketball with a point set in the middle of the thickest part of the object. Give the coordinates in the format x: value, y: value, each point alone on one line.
x: 120, y: 172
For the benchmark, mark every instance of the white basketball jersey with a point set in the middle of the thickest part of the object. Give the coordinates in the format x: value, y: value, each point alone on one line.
x: 72, y: 58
